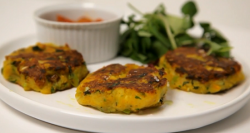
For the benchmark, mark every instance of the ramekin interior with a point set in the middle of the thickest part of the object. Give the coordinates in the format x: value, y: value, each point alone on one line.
x: 76, y: 10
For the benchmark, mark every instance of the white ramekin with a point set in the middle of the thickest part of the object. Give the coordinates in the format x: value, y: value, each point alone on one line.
x: 96, y: 41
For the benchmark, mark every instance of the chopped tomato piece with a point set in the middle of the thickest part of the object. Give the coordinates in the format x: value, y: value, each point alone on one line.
x: 84, y: 19
x: 98, y: 20
x: 63, y: 19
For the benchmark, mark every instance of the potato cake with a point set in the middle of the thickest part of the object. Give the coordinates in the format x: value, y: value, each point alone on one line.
x: 190, y: 69
x: 45, y: 68
x: 118, y: 88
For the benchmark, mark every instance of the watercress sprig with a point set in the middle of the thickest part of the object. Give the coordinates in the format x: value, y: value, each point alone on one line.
x: 148, y: 38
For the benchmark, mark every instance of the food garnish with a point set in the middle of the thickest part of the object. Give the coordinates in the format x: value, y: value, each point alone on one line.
x: 148, y: 38
x: 61, y: 18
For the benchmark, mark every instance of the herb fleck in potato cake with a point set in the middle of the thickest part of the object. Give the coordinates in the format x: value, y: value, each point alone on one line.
x: 190, y: 69
x: 45, y: 68
x: 118, y: 88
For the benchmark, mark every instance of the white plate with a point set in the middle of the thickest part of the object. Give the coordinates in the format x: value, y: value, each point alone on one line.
x: 188, y: 110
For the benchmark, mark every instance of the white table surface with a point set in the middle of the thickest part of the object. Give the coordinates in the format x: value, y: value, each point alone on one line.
x: 231, y: 15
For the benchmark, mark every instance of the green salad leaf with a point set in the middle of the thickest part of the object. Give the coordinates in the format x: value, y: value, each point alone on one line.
x: 189, y: 9
x: 148, y: 38
x: 214, y: 41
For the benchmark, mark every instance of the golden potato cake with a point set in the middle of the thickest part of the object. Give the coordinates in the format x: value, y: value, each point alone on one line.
x: 190, y: 69
x: 45, y: 68
x: 118, y: 88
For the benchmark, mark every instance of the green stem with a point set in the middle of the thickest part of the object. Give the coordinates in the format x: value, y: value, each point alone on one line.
x: 168, y: 30
x: 134, y: 9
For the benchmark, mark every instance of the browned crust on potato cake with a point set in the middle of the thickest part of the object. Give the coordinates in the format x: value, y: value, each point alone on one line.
x: 196, y: 69
x: 58, y: 59
x: 140, y: 79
